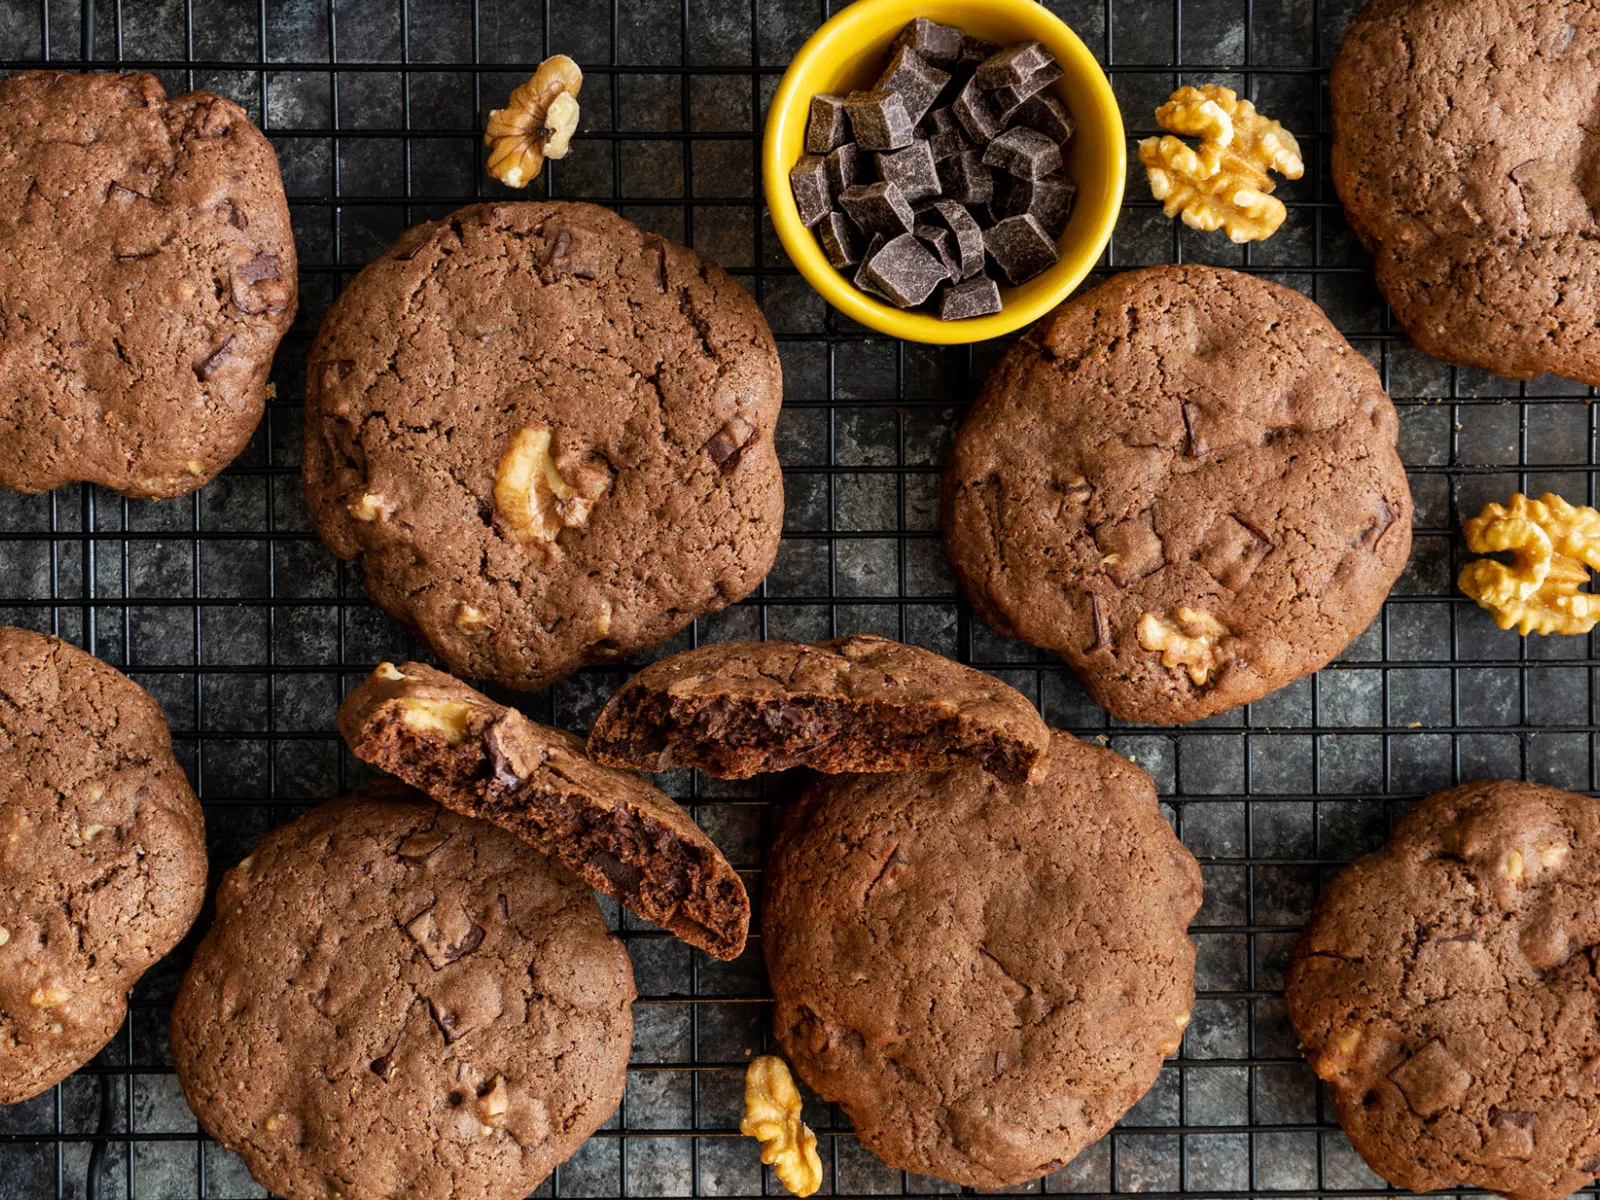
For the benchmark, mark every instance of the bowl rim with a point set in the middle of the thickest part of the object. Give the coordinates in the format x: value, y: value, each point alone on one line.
x: 788, y: 106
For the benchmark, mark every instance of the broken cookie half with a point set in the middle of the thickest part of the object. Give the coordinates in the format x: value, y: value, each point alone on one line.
x: 483, y: 759
x: 858, y: 703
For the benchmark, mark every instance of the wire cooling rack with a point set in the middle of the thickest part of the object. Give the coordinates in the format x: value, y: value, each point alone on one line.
x: 229, y: 610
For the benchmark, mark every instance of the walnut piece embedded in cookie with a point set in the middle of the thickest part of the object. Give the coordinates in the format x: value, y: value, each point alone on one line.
x: 1225, y: 182
x: 1194, y: 642
x: 1182, y: 439
x: 861, y: 703
x: 489, y: 761
x: 150, y: 273
x: 1445, y: 991
x: 772, y: 1117
x: 1464, y: 150
x: 395, y: 1000
x: 537, y: 123
x: 984, y: 976
x: 102, y: 855
x: 1553, y: 545
x: 548, y: 437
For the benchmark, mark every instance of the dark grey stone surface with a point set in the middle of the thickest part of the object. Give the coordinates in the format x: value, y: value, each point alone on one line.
x: 230, y: 611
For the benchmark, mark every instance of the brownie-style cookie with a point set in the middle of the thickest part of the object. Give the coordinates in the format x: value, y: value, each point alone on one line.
x: 1185, y: 483
x: 851, y: 704
x: 547, y: 435
x: 1465, y: 150
x: 984, y: 976
x: 147, y: 272
x: 395, y: 1000
x: 486, y: 760
x: 102, y: 855
x: 1445, y: 990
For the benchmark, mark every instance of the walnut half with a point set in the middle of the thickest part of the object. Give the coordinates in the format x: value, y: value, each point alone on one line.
x: 1188, y: 639
x: 531, y: 496
x: 537, y: 123
x: 1225, y: 182
x: 772, y: 1117
x: 1552, y: 545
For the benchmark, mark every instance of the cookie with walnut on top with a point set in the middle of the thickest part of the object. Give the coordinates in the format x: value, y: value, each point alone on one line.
x: 1185, y: 483
x: 547, y: 436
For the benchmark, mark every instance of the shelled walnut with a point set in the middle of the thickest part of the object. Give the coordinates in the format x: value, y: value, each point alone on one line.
x: 1225, y: 182
x: 1552, y: 544
x: 537, y: 123
x: 772, y: 1117
x: 532, y: 497
x: 1189, y: 639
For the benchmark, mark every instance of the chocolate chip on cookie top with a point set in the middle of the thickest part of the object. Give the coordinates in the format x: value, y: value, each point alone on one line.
x: 1445, y: 989
x: 483, y: 759
x: 1464, y: 150
x: 396, y: 1000
x: 102, y: 855
x: 984, y: 976
x: 857, y: 703
x: 1185, y: 483
x: 147, y: 273
x: 547, y: 435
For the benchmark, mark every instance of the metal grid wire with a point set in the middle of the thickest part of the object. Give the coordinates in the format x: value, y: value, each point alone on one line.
x: 229, y: 610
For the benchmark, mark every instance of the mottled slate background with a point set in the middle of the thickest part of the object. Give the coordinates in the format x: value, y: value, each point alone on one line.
x: 228, y: 608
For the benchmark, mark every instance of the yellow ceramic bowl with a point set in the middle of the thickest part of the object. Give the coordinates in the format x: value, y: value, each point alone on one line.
x: 849, y: 53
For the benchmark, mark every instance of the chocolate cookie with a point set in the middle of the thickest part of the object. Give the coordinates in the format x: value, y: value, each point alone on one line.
x: 1467, y: 155
x: 547, y: 435
x: 852, y: 704
x: 102, y: 855
x: 1185, y: 483
x: 984, y: 976
x: 395, y: 1000
x: 1445, y: 989
x: 147, y: 272
x: 486, y: 760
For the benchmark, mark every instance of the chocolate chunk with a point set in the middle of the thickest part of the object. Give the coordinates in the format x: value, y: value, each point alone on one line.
x: 945, y: 136
x: 965, y: 179
x: 916, y: 82
x: 976, y: 114
x: 839, y: 242
x: 1006, y: 100
x: 1048, y: 199
x: 1024, y: 152
x: 912, y: 170
x: 880, y: 120
x: 506, y: 770
x: 938, y: 44
x: 207, y: 368
x: 862, y: 279
x: 1012, y: 65
x: 905, y: 271
x: 1048, y: 115
x: 1021, y: 248
x: 943, y: 243
x: 809, y: 179
x: 878, y: 208
x: 975, y: 298
x: 725, y: 445
x: 975, y: 50
x: 968, y: 235
x: 826, y: 129
x: 844, y: 168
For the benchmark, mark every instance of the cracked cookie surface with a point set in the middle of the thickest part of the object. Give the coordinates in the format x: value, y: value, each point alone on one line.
x: 147, y: 273
x: 1466, y: 150
x: 547, y: 435
x: 395, y: 1000
x: 984, y: 976
x: 102, y: 855
x: 619, y: 833
x: 1185, y: 483
x: 861, y: 703
x: 1446, y: 990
